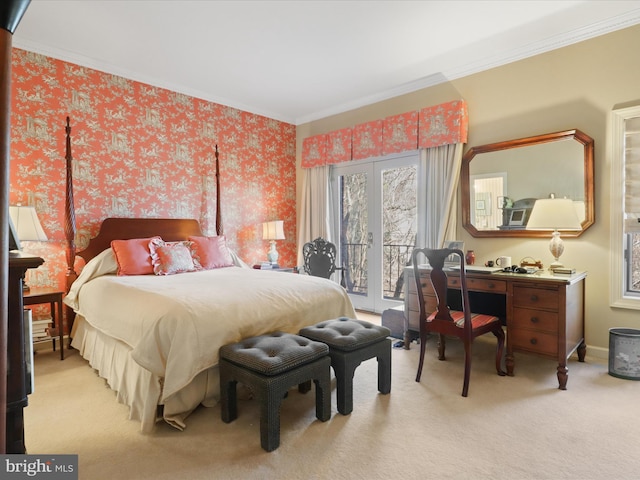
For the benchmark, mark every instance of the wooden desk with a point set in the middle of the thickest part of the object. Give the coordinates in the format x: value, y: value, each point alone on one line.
x: 36, y: 296
x: 544, y: 313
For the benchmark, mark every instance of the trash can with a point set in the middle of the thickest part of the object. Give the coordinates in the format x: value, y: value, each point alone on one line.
x: 624, y: 353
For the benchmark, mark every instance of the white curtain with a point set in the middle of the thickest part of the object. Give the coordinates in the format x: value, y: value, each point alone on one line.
x: 315, y: 208
x: 441, y: 167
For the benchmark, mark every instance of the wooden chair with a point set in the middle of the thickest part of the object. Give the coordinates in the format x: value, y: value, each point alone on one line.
x: 320, y: 259
x: 444, y: 321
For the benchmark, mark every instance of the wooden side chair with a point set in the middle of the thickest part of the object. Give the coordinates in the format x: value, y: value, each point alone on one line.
x: 464, y: 324
x: 320, y: 259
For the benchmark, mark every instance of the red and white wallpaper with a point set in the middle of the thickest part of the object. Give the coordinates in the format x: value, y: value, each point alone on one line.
x: 142, y: 151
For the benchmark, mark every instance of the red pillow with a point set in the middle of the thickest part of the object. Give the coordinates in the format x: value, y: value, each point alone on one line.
x: 211, y: 252
x: 133, y: 256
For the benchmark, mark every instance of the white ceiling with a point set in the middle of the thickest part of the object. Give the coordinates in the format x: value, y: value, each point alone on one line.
x: 299, y: 61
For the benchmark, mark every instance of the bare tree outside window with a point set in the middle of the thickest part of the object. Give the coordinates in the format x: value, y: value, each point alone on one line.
x: 399, y: 224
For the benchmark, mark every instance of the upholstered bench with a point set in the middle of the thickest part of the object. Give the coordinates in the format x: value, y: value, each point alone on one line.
x: 350, y: 343
x: 269, y: 365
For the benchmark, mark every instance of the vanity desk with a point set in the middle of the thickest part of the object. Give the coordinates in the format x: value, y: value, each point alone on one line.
x: 543, y: 312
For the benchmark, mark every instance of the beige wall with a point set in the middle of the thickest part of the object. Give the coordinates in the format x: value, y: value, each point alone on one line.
x: 573, y: 87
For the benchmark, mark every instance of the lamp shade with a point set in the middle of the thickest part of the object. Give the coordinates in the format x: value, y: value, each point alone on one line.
x: 26, y: 223
x: 273, y: 230
x: 554, y: 214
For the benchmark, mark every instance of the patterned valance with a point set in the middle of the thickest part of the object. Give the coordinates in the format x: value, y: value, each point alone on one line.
x: 367, y: 140
x: 339, y: 146
x: 443, y: 124
x: 430, y: 127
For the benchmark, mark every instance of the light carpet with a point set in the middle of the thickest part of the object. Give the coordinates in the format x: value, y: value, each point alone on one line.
x: 519, y: 427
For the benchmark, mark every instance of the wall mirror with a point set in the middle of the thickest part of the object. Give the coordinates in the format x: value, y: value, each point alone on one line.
x: 500, y: 182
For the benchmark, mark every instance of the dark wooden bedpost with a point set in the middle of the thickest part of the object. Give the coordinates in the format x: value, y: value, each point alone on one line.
x: 69, y: 227
x: 218, y: 209
x: 69, y: 213
x: 11, y: 12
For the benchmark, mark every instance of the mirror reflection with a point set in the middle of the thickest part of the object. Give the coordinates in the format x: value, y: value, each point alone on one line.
x: 501, y: 182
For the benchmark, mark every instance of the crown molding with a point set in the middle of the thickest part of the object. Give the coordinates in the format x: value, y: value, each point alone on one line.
x: 552, y: 43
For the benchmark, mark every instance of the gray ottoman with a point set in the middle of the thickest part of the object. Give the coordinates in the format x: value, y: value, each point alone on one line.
x: 269, y: 365
x: 350, y: 343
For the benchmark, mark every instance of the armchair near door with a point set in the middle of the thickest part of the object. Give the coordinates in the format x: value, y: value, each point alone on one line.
x: 463, y: 324
x: 320, y: 259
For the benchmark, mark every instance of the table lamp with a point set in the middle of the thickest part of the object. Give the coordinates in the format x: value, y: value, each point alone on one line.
x: 27, y: 226
x: 273, y: 231
x: 556, y: 214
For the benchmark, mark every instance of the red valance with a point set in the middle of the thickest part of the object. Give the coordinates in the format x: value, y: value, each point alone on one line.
x: 314, y: 151
x: 442, y: 124
x: 367, y: 140
x: 339, y: 146
x: 400, y: 133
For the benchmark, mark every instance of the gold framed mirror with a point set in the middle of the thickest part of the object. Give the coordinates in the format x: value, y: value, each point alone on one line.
x: 500, y: 182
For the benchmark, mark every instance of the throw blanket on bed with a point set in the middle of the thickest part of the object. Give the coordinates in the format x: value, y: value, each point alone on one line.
x: 176, y: 324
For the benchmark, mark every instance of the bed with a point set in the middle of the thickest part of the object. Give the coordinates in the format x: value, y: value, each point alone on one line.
x: 155, y: 338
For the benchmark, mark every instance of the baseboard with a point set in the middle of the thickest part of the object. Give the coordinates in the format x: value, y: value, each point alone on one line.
x: 598, y: 352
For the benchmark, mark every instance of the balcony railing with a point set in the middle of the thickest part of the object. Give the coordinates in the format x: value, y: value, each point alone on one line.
x: 395, y: 257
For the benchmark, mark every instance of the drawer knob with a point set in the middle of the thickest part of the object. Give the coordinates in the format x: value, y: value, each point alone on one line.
x: 533, y: 341
x: 534, y: 320
x: 534, y: 298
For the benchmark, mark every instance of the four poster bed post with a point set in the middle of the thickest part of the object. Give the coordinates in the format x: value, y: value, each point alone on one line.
x: 70, y: 219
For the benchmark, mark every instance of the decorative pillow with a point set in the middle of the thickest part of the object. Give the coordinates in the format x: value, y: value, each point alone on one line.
x: 133, y: 256
x: 211, y: 252
x: 169, y: 258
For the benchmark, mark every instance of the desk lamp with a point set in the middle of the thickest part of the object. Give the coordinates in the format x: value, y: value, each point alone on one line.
x: 273, y: 231
x: 556, y: 214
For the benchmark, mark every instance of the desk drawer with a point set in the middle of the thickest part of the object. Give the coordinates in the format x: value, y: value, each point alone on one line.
x: 479, y: 284
x: 533, y: 341
x: 532, y: 297
x: 429, y: 300
x: 539, y: 320
x: 410, y: 282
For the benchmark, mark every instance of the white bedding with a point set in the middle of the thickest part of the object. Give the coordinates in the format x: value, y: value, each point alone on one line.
x: 174, y: 325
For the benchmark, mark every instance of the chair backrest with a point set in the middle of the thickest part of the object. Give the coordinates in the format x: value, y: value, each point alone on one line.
x: 438, y: 277
x: 319, y: 258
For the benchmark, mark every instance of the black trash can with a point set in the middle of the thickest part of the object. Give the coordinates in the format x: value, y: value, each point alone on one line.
x: 624, y: 353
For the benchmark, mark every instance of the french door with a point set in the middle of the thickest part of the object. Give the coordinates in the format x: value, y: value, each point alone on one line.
x: 375, y: 217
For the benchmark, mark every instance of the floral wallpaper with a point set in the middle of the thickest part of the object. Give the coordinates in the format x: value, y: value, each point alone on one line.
x: 142, y: 151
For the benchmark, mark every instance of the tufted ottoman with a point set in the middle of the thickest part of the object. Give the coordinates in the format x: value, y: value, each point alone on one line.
x: 350, y: 343
x: 270, y: 365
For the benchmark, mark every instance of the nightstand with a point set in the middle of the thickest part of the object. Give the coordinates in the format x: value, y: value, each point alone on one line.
x: 37, y: 296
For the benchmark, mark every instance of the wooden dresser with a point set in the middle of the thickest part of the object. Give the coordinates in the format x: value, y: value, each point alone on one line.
x: 543, y: 313
x: 16, y: 359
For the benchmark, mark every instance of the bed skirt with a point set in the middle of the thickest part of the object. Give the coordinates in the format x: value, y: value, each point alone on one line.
x: 138, y: 388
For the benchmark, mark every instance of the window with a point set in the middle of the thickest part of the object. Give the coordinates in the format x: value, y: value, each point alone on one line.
x: 625, y: 208
x: 487, y: 189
